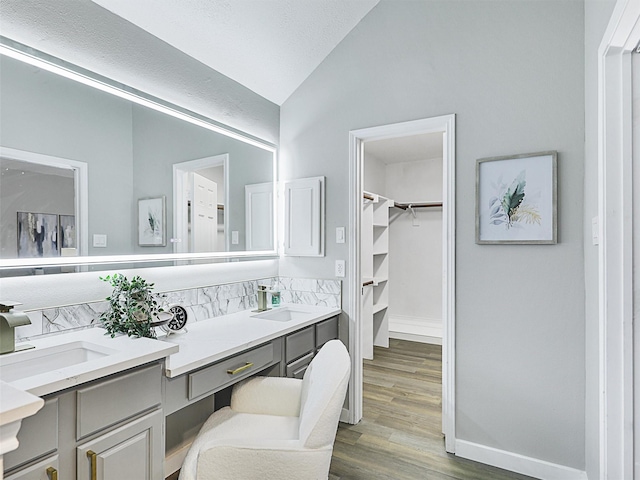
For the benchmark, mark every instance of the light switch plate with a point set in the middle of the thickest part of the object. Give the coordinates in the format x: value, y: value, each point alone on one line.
x: 340, y: 267
x: 595, y: 228
x: 99, y: 240
x: 340, y: 235
x: 234, y: 237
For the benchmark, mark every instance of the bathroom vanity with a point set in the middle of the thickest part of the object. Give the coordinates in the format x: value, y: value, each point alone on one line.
x: 133, y: 412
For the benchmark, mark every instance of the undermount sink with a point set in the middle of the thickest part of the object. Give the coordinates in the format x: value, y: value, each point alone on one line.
x: 282, y: 314
x: 28, y: 363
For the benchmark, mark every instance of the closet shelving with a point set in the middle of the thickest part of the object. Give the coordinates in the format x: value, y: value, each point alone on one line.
x: 375, y: 271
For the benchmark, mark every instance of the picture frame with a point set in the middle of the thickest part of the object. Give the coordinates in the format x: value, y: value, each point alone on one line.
x: 152, y: 219
x: 37, y: 235
x: 67, y: 226
x: 516, y: 199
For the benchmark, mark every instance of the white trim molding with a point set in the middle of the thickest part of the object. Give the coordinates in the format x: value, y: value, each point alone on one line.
x: 615, y: 194
x: 516, y: 462
x: 446, y: 125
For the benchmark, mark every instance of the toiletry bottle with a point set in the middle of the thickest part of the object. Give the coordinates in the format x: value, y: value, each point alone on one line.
x: 275, y: 295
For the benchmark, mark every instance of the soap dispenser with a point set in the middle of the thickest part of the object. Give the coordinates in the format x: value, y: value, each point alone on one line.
x: 275, y: 295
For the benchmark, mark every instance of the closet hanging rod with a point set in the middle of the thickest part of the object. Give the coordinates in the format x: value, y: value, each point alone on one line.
x: 368, y: 197
x: 367, y: 283
x: 404, y: 206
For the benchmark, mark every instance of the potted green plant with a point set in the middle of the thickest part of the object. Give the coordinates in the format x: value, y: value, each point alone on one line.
x: 133, y: 307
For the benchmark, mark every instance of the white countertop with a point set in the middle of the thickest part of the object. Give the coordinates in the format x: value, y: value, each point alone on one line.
x: 16, y: 404
x: 123, y: 353
x: 217, y: 338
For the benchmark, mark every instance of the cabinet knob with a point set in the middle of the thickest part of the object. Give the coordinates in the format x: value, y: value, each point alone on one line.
x: 52, y: 473
x: 93, y: 456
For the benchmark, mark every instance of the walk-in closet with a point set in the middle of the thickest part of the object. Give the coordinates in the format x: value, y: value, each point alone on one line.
x: 401, y: 236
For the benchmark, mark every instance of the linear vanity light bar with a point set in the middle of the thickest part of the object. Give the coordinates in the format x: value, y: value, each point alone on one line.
x: 122, y: 91
x: 111, y: 259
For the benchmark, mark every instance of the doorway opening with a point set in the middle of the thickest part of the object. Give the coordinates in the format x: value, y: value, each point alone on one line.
x: 442, y: 128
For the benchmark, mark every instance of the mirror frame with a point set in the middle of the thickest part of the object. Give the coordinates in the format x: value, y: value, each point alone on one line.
x: 25, y: 54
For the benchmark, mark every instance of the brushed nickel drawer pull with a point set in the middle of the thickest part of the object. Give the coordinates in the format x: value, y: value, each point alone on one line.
x: 240, y: 369
x: 94, y: 467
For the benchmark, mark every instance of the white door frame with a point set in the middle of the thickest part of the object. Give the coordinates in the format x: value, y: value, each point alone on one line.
x: 81, y: 187
x: 180, y: 171
x: 446, y: 125
x: 615, y: 195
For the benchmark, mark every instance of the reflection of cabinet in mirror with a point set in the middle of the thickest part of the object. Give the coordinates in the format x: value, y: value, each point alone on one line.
x: 259, y: 216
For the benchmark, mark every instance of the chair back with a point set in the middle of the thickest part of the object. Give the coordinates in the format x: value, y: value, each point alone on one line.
x: 324, y: 387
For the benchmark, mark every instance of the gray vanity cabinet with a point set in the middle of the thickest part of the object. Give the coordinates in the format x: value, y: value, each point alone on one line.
x: 134, y: 450
x: 301, y: 346
x: 46, y: 469
x: 106, y: 429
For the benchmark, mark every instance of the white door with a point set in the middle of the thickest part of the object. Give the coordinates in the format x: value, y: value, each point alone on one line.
x: 259, y: 216
x: 204, y: 208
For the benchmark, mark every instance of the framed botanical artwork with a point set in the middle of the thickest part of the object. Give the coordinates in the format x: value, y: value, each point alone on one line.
x: 37, y: 235
x: 516, y: 199
x: 152, y: 231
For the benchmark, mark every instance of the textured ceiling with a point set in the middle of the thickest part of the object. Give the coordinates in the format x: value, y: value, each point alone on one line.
x: 269, y: 46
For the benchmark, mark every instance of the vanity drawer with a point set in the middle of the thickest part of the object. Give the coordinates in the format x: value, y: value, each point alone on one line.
x: 326, y: 330
x: 38, y: 436
x: 219, y: 375
x: 109, y: 402
x: 300, y: 343
x: 37, y: 471
x: 296, y: 369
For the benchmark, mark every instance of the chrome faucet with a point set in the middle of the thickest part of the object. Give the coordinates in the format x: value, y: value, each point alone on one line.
x: 9, y: 320
x: 262, y: 298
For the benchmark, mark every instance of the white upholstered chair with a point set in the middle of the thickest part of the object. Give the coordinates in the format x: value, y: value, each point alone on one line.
x: 275, y: 428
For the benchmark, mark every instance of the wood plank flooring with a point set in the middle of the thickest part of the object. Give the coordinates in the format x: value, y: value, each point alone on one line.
x: 399, y: 436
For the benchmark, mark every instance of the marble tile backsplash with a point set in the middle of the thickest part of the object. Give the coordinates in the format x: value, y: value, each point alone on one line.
x: 201, y: 303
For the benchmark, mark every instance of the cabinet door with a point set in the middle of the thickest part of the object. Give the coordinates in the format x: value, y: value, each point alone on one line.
x: 134, y: 450
x: 304, y: 217
x: 46, y: 469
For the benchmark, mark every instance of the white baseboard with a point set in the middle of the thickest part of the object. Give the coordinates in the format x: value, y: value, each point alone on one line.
x: 517, y: 463
x: 416, y: 338
x: 415, y: 329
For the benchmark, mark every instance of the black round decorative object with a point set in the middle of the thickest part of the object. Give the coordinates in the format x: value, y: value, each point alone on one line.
x: 179, y: 319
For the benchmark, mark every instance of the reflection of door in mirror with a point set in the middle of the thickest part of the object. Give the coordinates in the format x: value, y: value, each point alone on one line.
x: 204, y: 214
x: 39, y: 205
x: 193, y: 198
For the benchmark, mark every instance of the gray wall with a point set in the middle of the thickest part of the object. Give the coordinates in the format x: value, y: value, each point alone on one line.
x: 596, y: 18
x: 513, y: 73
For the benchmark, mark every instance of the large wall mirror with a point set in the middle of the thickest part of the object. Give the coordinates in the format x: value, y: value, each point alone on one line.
x: 89, y: 174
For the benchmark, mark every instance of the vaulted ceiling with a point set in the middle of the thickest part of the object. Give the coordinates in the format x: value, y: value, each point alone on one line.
x: 269, y: 46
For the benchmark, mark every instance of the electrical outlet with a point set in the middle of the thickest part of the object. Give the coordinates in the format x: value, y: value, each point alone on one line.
x: 340, y: 268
